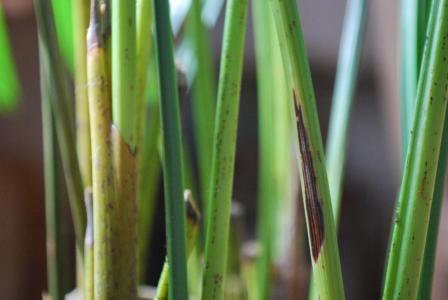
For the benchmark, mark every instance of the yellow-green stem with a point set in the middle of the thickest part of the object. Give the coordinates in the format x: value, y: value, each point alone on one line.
x: 105, y: 205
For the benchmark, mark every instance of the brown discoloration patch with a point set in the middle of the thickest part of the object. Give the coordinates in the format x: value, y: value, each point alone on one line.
x: 312, y: 202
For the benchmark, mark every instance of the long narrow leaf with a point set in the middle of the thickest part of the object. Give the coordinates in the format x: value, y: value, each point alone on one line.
x: 275, y: 129
x: 9, y: 84
x: 224, y: 148
x: 51, y: 57
x: 347, y: 71
x: 429, y: 257
x: 316, y: 195
x: 412, y: 216
x: 64, y: 29
x: 172, y: 148
x: 53, y: 196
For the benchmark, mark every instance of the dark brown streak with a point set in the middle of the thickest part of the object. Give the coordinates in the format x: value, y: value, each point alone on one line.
x: 313, y: 207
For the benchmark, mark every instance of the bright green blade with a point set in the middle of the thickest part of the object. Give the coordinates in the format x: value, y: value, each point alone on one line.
x: 416, y: 194
x: 64, y: 27
x: 9, y: 83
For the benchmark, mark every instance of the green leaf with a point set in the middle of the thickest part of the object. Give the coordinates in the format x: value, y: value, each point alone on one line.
x: 9, y: 83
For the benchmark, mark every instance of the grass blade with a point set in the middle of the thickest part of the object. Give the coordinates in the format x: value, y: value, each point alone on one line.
x: 143, y: 56
x: 275, y: 184
x: 124, y: 68
x: 64, y: 29
x: 105, y: 205
x: 219, y: 201
x: 9, y: 84
x: 172, y: 162
x: 204, y: 95
x: 345, y: 82
x: 426, y: 277
x: 409, y: 66
x: 80, y: 16
x: 124, y: 112
x: 51, y: 57
x: 193, y: 218
x: 315, y: 189
x: 55, y: 248
x: 412, y: 216
x: 80, y: 11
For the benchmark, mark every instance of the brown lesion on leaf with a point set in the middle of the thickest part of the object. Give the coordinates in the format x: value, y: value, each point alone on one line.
x: 313, y: 206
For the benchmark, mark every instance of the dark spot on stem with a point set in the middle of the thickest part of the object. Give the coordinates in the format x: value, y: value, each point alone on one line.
x: 312, y: 203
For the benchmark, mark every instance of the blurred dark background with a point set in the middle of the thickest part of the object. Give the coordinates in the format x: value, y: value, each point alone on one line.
x: 372, y: 169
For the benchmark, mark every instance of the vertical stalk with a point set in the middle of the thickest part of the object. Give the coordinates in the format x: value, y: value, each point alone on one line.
x: 9, y: 84
x: 204, y: 95
x: 124, y: 112
x: 148, y: 182
x: 105, y: 205
x: 219, y: 201
x: 55, y: 251
x: 412, y: 217
x: 172, y: 149
x: 80, y: 16
x: 81, y: 22
x: 275, y: 144
x: 193, y: 218
x: 147, y: 132
x: 64, y: 29
x: 345, y: 82
x: 51, y: 56
x: 143, y: 56
x: 426, y: 278
x: 315, y: 189
x: 408, y: 66
x: 124, y: 68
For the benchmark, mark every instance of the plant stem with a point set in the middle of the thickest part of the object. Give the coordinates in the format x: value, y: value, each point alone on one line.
x: 266, y: 42
x: 124, y: 69
x: 203, y: 100
x: 50, y: 56
x: 9, y: 84
x: 172, y: 149
x: 414, y: 19
x: 81, y: 22
x: 412, y: 217
x: 64, y: 29
x: 193, y: 221
x: 105, y: 205
x: 275, y: 182
x: 147, y: 132
x: 143, y: 56
x: 80, y: 16
x: 345, y: 82
x: 426, y: 278
x: 347, y: 71
x: 148, y: 182
x: 408, y: 66
x: 55, y: 251
x: 124, y: 112
x: 219, y: 201
x: 315, y: 189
